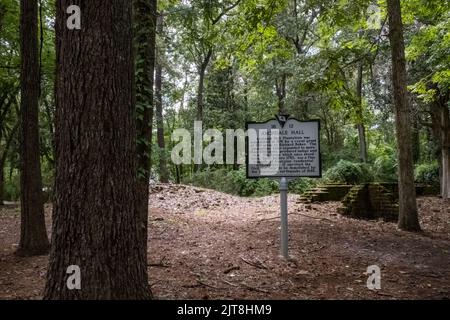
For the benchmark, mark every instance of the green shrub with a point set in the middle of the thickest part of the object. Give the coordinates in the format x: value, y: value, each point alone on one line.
x: 232, y: 182
x: 385, y: 168
x: 427, y: 173
x: 241, y: 185
x: 301, y: 185
x: 235, y: 182
x: 265, y: 187
x: 349, y: 172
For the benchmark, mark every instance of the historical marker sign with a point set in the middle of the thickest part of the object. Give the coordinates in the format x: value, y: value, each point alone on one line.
x: 283, y: 147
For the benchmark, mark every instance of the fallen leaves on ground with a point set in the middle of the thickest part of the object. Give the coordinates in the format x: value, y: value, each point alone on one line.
x: 209, y: 245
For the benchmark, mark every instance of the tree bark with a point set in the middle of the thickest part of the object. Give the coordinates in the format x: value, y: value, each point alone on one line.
x: 360, y: 116
x: 163, y: 173
x: 408, y: 216
x: 145, y: 12
x: 95, y: 220
x: 33, y: 234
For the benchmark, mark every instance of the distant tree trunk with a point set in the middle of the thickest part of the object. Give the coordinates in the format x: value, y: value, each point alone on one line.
x: 95, y: 220
x: 178, y: 174
x: 49, y: 114
x: 200, y: 90
x: 280, y: 88
x: 2, y: 175
x: 3, y: 157
x: 440, y: 131
x: 201, y: 84
x: 185, y: 86
x: 145, y: 13
x: 429, y: 156
x: 245, y: 100
x: 33, y: 234
x: 416, y: 140
x: 2, y: 184
x: 164, y: 176
x: 445, y: 131
x: 360, y: 115
x: 163, y: 173
x: 408, y: 216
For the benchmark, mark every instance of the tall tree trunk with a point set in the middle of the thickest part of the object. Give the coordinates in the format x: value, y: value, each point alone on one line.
x: 95, y: 222
x: 408, y: 216
x: 445, y: 131
x: 360, y: 116
x: 33, y: 234
x: 200, y: 90
x: 145, y: 13
x: 163, y: 173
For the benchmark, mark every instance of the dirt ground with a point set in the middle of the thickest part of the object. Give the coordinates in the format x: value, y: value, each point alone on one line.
x: 208, y: 245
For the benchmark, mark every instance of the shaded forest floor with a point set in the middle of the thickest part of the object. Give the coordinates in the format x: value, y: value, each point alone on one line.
x: 208, y: 245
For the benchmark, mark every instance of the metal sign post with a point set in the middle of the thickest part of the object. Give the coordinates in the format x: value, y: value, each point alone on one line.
x: 284, y: 218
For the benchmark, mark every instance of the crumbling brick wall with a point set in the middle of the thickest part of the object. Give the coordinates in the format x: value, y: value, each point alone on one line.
x: 370, y: 201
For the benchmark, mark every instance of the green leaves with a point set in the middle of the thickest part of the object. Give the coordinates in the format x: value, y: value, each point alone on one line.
x: 429, y: 48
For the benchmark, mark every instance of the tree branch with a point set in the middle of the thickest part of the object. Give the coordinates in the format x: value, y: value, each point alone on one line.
x: 224, y: 12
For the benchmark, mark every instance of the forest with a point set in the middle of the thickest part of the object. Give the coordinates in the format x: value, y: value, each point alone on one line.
x: 121, y: 175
